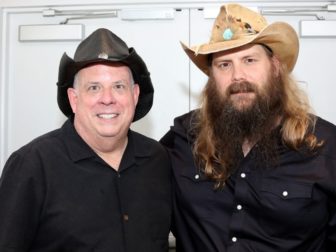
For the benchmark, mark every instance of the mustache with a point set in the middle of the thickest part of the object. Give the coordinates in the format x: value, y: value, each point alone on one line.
x: 241, y: 87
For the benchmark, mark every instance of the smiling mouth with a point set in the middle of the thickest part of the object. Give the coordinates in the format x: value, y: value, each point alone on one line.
x: 108, y: 116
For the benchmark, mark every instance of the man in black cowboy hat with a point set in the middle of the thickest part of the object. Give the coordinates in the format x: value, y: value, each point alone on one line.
x: 253, y: 169
x: 93, y: 184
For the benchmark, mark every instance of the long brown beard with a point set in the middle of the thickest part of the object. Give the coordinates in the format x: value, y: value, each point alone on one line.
x: 255, y: 122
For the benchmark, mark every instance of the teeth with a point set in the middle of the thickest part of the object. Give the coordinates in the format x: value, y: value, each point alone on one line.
x: 107, y: 116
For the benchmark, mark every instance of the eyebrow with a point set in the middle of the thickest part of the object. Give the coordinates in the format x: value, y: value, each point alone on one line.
x: 91, y: 82
x: 248, y: 55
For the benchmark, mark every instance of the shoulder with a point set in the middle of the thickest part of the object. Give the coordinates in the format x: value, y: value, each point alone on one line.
x: 149, y: 153
x: 54, y: 141
x: 182, y: 128
x: 27, y: 161
x: 138, y: 137
x: 146, y: 144
x: 326, y: 131
x: 41, y: 143
x: 185, y: 121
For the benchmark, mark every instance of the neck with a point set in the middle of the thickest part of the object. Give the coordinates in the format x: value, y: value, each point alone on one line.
x: 247, y: 146
x: 112, y: 155
x: 110, y: 149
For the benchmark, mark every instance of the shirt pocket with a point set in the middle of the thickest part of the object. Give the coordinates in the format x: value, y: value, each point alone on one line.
x: 285, y: 204
x: 286, y: 190
x: 197, y: 195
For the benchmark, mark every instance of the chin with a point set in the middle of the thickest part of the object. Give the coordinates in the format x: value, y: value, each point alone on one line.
x: 243, y: 105
x: 108, y: 132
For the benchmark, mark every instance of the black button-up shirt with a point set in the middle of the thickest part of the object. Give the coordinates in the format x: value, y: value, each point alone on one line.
x: 288, y: 208
x: 57, y: 195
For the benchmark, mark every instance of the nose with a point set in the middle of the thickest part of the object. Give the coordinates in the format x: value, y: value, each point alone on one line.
x: 108, y: 97
x: 238, y: 73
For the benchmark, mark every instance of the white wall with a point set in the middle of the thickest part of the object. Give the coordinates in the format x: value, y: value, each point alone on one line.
x: 28, y: 70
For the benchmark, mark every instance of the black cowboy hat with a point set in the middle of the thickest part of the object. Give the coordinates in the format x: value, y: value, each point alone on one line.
x: 105, y: 47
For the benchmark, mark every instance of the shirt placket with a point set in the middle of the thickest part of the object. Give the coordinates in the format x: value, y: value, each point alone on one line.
x: 238, y: 212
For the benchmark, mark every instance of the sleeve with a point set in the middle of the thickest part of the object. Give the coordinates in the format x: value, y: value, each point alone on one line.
x: 331, y: 237
x: 21, y: 196
x: 331, y: 228
x: 168, y: 140
x: 329, y: 152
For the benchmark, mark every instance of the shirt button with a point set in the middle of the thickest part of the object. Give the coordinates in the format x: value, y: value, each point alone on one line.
x: 234, y: 239
x: 243, y: 175
x: 285, y: 193
x: 196, y: 176
x: 239, y: 207
x: 125, y: 217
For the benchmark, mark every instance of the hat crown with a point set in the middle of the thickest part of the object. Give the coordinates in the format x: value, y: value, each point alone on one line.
x: 104, y: 47
x: 236, y: 26
x: 102, y: 43
x: 234, y: 22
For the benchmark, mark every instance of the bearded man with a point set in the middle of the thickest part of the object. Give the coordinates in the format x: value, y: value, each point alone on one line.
x: 253, y: 168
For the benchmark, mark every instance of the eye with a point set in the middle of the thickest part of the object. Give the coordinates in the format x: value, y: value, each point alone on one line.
x: 120, y: 85
x: 250, y: 60
x: 93, y: 88
x: 224, y: 65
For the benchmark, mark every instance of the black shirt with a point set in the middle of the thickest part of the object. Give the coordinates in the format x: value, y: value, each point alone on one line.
x: 291, y: 207
x: 57, y: 195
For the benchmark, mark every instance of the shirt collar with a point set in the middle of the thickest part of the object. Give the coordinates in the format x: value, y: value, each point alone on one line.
x: 75, y: 145
x: 136, y: 148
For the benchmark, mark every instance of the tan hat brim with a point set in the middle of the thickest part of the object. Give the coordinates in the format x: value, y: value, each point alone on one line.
x: 278, y: 36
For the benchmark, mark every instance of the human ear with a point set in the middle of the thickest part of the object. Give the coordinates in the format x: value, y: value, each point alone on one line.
x: 72, y: 96
x: 276, y: 64
x: 136, y: 93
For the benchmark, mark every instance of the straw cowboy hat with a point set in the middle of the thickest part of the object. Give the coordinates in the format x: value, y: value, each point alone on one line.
x: 103, y: 46
x: 237, y: 26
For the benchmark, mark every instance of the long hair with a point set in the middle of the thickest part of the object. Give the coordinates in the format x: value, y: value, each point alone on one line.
x: 297, y: 129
